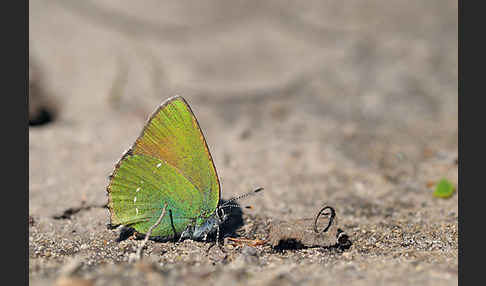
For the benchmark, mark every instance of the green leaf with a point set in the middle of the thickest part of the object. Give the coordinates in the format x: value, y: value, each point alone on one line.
x: 444, y: 189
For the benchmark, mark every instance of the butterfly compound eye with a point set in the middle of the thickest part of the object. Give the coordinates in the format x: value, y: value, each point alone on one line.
x: 331, y: 215
x: 220, y: 212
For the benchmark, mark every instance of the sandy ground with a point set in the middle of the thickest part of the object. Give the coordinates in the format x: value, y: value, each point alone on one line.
x: 352, y: 105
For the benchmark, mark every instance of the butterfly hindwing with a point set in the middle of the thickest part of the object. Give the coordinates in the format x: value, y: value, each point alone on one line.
x: 140, y: 187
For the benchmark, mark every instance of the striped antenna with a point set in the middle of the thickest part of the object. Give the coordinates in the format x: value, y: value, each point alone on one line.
x: 240, y: 197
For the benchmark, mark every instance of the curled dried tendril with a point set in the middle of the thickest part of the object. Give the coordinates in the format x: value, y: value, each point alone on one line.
x: 332, y: 214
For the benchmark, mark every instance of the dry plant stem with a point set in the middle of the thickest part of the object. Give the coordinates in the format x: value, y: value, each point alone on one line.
x: 149, y: 232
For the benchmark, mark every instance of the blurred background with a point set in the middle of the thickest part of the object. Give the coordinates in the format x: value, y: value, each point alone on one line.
x: 350, y: 103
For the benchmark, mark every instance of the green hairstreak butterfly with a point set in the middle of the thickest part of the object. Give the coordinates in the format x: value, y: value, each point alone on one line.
x: 169, y: 163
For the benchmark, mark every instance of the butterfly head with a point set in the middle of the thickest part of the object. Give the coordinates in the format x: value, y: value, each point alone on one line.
x: 220, y: 215
x: 212, y: 224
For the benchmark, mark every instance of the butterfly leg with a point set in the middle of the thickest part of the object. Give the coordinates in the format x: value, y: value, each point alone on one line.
x: 172, y: 225
x: 217, y: 236
x: 185, y: 234
x: 215, y: 243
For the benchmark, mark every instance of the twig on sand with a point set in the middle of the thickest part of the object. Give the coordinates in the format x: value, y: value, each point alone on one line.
x: 138, y: 256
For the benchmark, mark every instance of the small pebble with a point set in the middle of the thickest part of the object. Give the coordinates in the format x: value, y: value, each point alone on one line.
x: 249, y: 251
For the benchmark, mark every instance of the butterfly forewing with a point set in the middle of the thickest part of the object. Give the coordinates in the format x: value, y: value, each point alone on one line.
x: 173, y: 135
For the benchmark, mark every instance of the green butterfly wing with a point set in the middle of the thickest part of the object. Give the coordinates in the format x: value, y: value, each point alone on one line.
x: 168, y: 163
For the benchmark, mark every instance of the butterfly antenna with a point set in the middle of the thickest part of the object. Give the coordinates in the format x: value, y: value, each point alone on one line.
x: 229, y: 206
x: 241, y: 197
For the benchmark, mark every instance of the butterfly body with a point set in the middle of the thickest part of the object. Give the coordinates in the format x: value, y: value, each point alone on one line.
x: 169, y: 163
x: 201, y: 232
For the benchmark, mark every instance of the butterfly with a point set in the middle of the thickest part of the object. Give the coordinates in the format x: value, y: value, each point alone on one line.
x: 169, y: 165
